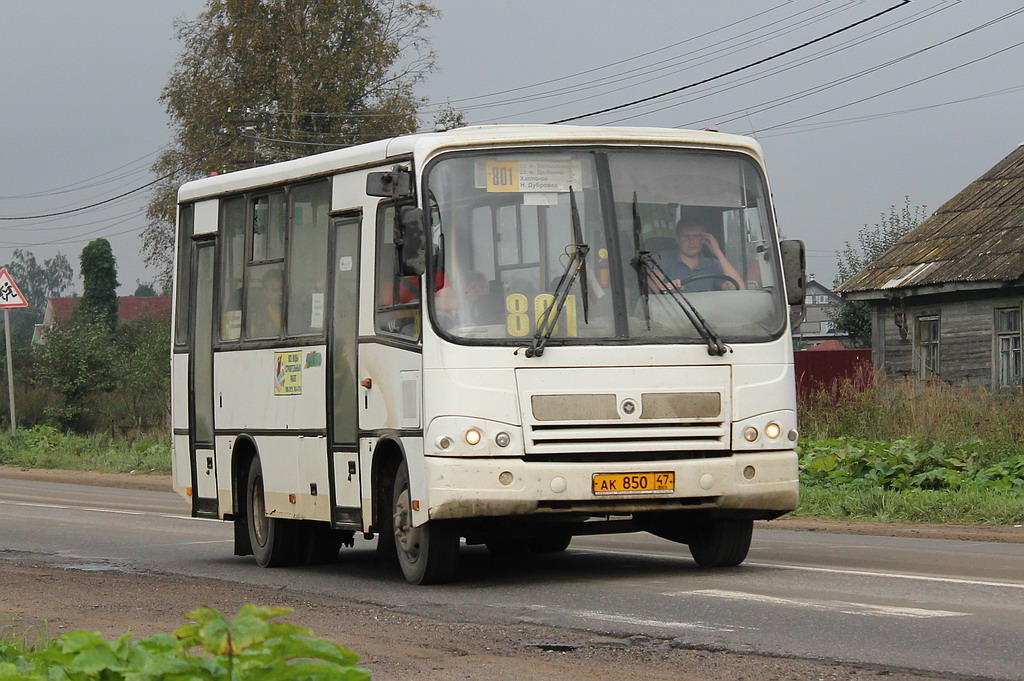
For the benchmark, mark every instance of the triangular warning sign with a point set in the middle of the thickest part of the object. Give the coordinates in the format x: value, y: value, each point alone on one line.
x: 10, y: 294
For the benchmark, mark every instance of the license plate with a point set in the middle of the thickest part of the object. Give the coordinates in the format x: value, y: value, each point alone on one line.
x: 634, y: 483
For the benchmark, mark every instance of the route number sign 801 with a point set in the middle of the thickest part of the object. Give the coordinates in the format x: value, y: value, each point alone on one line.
x: 522, y: 319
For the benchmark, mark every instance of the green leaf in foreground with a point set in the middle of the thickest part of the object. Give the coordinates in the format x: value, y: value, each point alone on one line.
x: 248, y: 648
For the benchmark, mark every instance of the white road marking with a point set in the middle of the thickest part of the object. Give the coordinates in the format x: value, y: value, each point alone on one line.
x: 892, y: 575
x: 644, y: 622
x: 844, y: 607
x: 105, y: 510
x: 836, y: 571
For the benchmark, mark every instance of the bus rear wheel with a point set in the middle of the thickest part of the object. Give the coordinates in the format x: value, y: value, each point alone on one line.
x: 274, y: 540
x: 427, y: 554
x: 721, y: 543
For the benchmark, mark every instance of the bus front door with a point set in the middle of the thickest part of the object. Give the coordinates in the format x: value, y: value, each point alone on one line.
x: 204, y: 472
x: 343, y: 339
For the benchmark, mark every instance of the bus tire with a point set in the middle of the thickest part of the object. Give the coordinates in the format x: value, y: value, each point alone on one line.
x: 721, y: 543
x: 274, y: 540
x: 427, y: 554
x: 321, y: 543
x: 554, y: 543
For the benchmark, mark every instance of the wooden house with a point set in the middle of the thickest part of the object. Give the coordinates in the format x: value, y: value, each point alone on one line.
x: 946, y: 298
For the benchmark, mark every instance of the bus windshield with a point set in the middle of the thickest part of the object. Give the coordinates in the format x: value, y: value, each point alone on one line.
x: 661, y: 227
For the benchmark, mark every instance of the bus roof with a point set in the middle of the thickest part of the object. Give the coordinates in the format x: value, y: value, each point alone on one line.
x: 424, y: 144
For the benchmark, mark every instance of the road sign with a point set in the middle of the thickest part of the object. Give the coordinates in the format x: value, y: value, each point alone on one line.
x: 10, y: 294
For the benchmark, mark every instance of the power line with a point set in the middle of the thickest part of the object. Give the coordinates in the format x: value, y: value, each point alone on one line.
x: 735, y: 70
x: 123, y: 194
x: 891, y: 90
x: 746, y: 80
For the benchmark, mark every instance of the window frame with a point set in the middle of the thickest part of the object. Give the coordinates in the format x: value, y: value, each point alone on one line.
x: 922, y: 369
x: 250, y: 267
x: 998, y: 336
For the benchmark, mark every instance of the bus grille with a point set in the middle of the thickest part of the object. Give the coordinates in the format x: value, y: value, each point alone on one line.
x: 622, y: 437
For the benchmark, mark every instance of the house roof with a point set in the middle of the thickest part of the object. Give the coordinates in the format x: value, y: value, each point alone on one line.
x: 975, y: 240
x: 129, y: 308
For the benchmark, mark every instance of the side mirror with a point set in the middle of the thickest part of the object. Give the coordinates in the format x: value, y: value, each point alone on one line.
x: 794, y: 268
x: 395, y: 183
x: 409, y: 238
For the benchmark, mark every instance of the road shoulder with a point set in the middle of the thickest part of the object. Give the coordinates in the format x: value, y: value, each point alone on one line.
x: 987, y: 533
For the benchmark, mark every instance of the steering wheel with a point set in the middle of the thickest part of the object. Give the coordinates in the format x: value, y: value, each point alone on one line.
x: 724, y: 277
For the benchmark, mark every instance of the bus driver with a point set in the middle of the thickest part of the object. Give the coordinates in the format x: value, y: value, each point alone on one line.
x: 698, y: 253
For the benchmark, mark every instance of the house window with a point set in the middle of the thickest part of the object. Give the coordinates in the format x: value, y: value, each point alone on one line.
x: 1008, y: 346
x: 927, y: 346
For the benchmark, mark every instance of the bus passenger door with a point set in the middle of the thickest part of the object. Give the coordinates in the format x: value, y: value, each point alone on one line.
x: 204, y: 472
x: 343, y: 391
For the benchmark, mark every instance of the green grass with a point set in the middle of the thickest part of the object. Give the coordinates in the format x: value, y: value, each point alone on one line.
x: 944, y: 507
x: 45, y: 447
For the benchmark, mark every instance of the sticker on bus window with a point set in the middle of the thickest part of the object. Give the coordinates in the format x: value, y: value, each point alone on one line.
x: 519, y: 323
x: 287, y: 373
x: 550, y: 175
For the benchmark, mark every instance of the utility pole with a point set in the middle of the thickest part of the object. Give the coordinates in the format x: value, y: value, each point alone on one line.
x: 10, y: 296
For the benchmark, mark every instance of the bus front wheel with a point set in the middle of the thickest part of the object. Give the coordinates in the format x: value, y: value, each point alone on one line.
x: 721, y: 543
x: 427, y: 554
x: 274, y: 540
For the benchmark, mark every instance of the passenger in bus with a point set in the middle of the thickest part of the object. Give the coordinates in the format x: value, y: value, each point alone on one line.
x: 698, y: 253
x: 460, y: 301
x: 264, y: 314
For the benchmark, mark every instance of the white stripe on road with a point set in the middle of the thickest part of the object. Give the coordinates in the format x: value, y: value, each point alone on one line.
x: 892, y: 575
x: 870, y: 609
x: 105, y: 510
x: 835, y: 571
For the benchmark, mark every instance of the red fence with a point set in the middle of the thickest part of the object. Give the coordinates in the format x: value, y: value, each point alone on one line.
x: 821, y: 369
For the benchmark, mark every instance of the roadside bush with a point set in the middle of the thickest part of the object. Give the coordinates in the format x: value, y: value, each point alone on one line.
x: 145, y: 451
x: 910, y: 464
x: 248, y: 648
x: 881, y: 407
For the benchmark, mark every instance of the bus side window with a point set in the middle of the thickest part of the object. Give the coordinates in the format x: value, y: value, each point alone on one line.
x: 397, y: 297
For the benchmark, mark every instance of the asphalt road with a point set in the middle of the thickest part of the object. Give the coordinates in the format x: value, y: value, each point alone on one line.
x: 932, y: 605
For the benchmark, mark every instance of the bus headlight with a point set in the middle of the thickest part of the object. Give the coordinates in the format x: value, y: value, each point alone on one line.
x: 772, y: 431
x: 472, y: 436
x: 502, y: 439
x: 750, y: 433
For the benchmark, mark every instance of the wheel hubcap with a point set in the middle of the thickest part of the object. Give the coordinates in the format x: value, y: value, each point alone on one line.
x: 258, y: 515
x: 408, y: 536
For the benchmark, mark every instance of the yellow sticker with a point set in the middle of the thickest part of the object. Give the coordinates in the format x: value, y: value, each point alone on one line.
x: 287, y: 373
x: 603, y: 253
x: 502, y: 176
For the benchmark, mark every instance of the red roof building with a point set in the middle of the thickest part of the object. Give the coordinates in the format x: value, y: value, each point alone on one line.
x: 129, y: 309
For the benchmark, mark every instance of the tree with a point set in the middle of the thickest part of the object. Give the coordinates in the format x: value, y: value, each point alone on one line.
x: 99, y: 287
x: 853, y: 316
x: 38, y: 284
x: 143, y: 380
x: 260, y: 81
x: 78, y: 360
x: 144, y: 289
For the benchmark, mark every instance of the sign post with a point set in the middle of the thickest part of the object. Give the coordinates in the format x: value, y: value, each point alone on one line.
x: 10, y: 296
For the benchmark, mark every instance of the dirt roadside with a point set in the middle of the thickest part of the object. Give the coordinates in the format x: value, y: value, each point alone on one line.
x: 39, y: 596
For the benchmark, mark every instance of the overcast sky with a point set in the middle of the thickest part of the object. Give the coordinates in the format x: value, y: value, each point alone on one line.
x: 902, y: 105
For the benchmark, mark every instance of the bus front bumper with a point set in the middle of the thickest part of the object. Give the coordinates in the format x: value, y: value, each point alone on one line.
x: 762, y: 484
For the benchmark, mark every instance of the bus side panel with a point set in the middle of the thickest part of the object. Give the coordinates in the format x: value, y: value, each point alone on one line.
x: 271, y: 389
x: 180, y: 457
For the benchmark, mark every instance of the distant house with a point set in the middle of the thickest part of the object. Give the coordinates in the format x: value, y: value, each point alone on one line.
x: 815, y: 325
x: 129, y: 309
x: 946, y: 299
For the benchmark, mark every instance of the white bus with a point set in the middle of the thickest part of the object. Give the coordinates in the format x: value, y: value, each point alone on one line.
x: 508, y: 335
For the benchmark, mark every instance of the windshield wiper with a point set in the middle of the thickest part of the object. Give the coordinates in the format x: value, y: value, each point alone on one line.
x: 646, y: 267
x: 575, y: 269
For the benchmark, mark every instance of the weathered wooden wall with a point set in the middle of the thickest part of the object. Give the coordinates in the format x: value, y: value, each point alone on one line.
x: 967, y: 346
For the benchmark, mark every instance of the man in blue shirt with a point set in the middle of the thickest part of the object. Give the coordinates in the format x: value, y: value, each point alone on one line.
x: 698, y: 253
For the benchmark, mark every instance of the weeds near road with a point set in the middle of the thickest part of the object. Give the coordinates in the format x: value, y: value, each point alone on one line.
x: 46, y: 447
x: 247, y: 648
x: 915, y: 451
